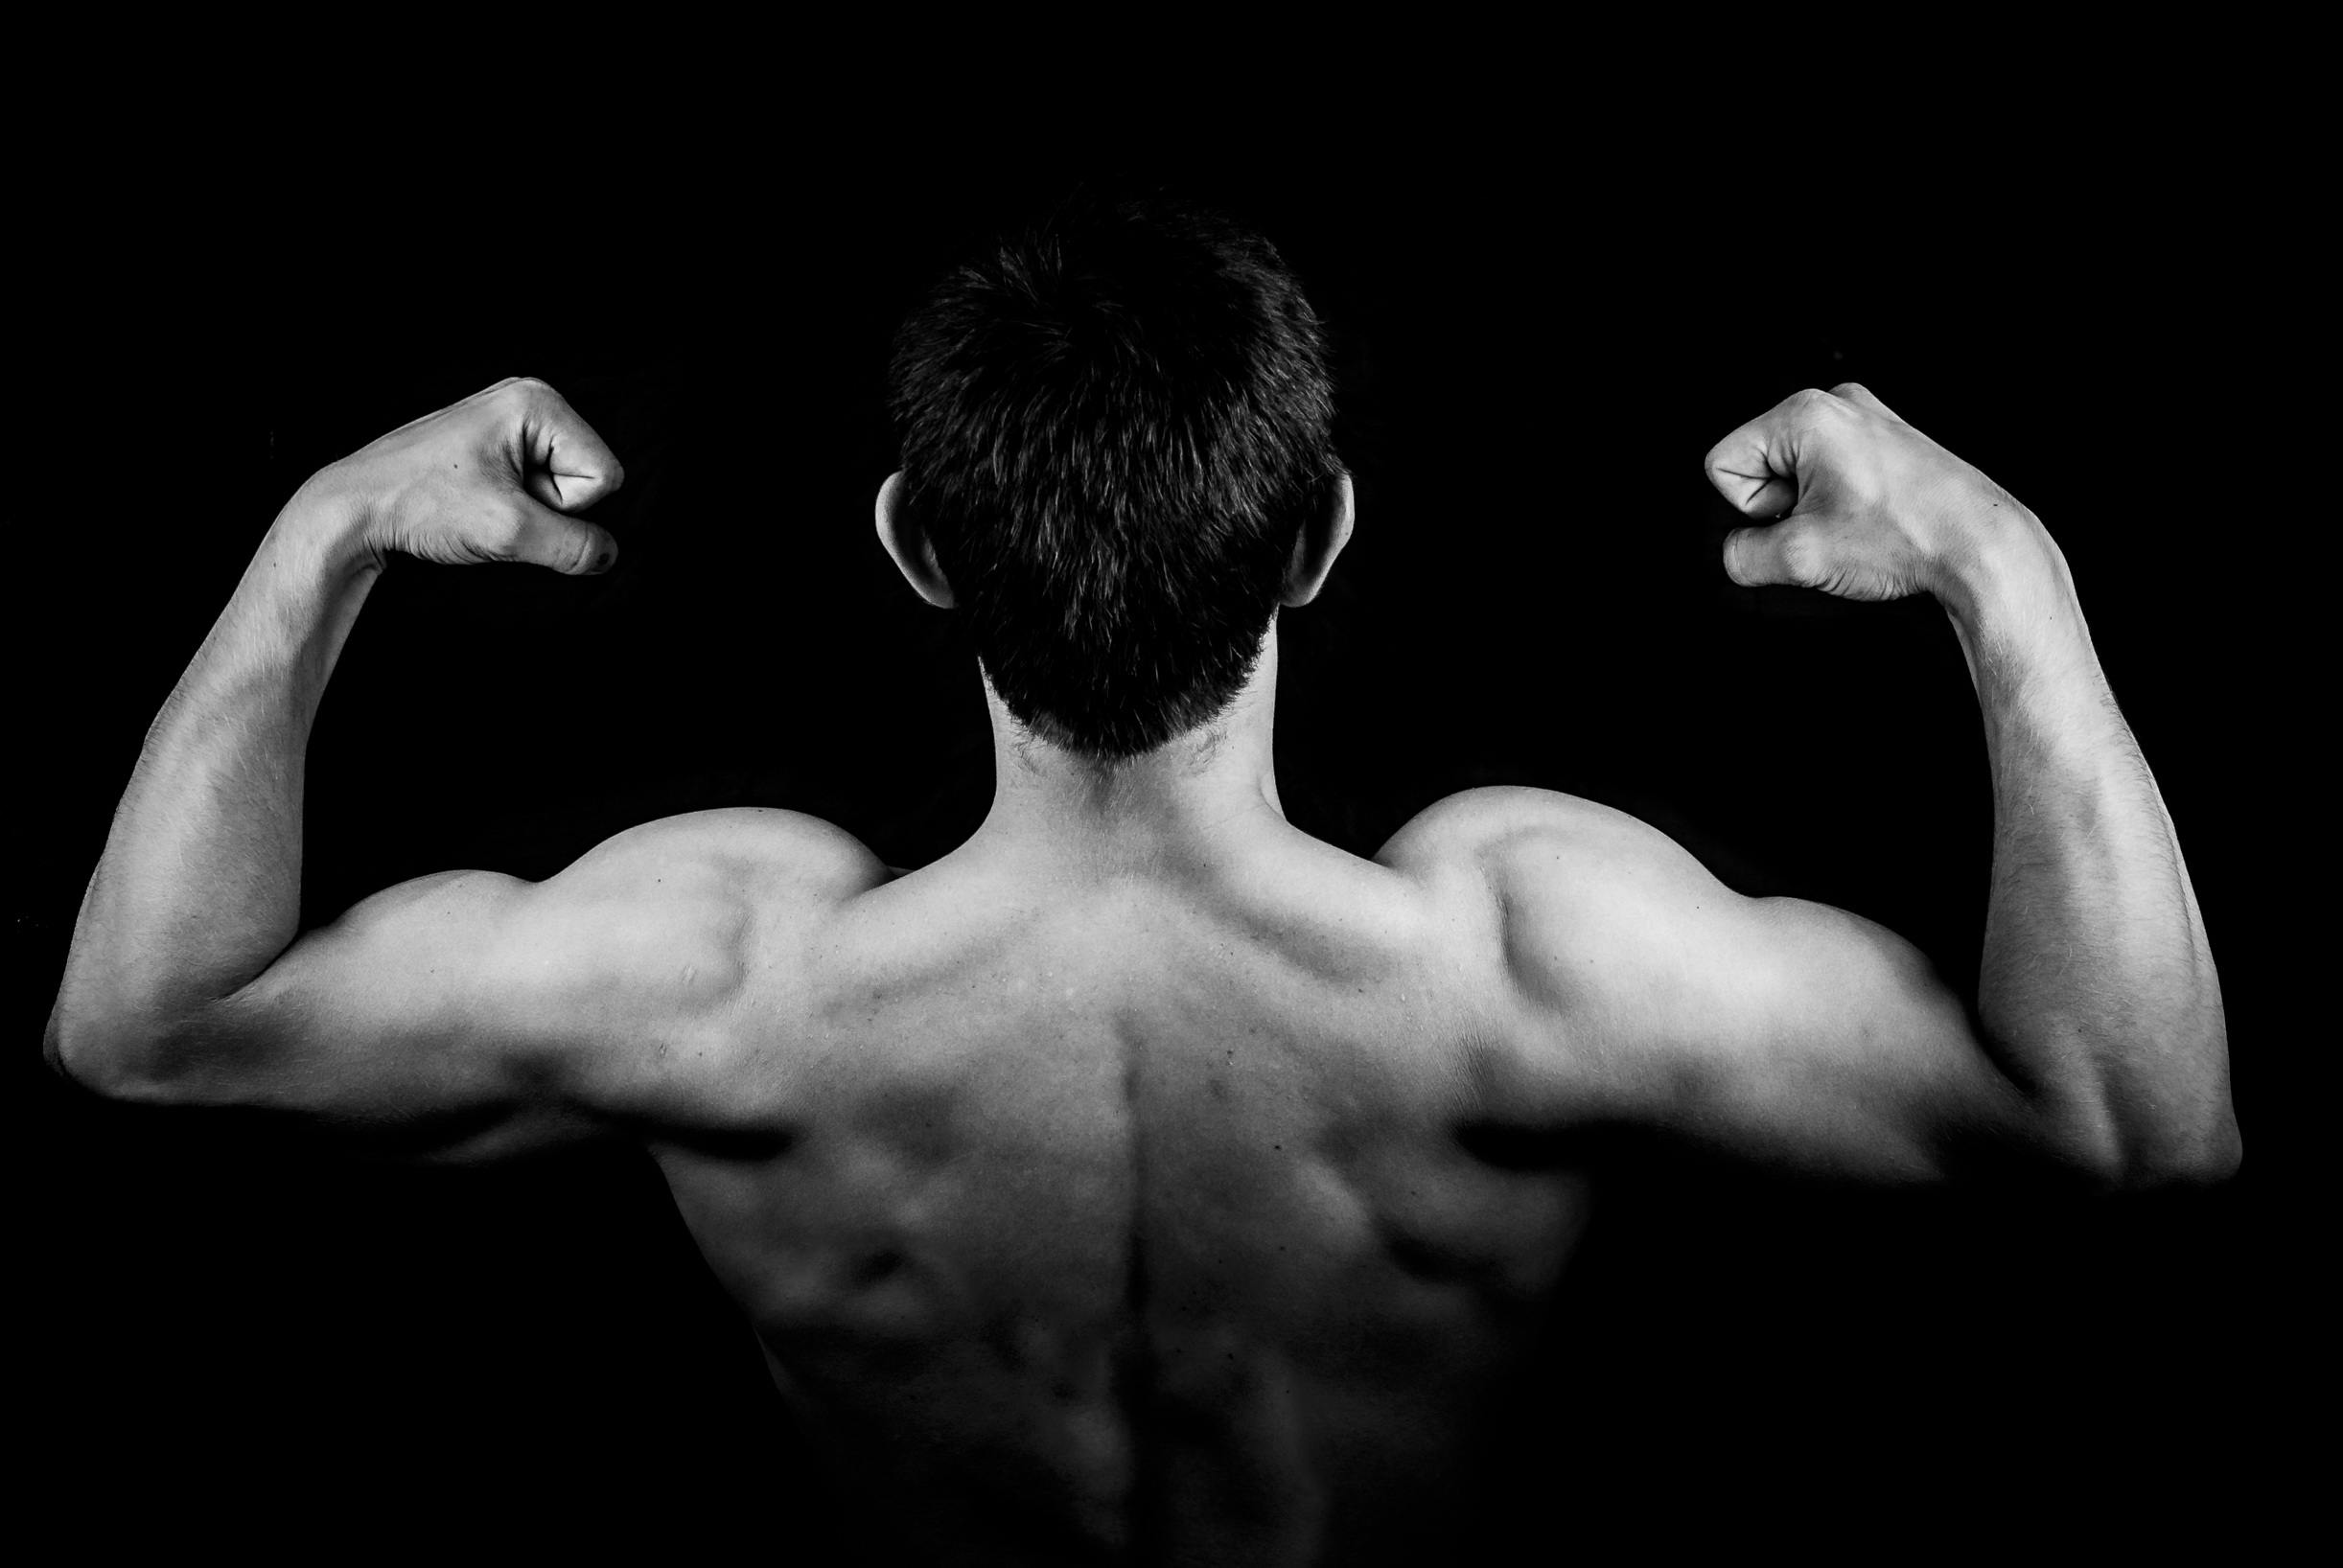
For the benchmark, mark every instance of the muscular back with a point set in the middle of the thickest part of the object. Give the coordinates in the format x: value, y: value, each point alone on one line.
x: 1136, y: 1209
x: 1166, y: 1200
x: 1157, y: 1185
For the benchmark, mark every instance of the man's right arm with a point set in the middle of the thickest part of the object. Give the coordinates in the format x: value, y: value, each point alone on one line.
x: 1808, y: 1036
x: 2098, y: 987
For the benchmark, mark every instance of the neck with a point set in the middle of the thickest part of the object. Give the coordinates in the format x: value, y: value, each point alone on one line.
x: 1189, y: 795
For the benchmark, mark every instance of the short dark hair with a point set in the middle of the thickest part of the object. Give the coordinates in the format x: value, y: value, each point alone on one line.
x: 1115, y: 422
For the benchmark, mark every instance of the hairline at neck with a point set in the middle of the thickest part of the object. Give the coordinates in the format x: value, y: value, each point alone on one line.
x: 1199, y: 772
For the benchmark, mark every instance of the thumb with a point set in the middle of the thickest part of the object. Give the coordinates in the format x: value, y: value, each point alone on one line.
x: 570, y: 546
x: 1777, y: 554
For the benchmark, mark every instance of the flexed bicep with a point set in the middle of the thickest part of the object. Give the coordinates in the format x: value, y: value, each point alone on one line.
x: 1781, y: 1031
x: 470, y: 1013
x: 414, y: 1019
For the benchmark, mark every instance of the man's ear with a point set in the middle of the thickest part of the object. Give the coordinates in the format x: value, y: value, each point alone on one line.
x: 907, y: 545
x: 1323, y: 538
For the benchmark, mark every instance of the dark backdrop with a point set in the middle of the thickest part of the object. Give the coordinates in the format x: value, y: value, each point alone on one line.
x: 1537, y: 339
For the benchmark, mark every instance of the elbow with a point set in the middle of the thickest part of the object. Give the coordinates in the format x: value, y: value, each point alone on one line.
x: 110, y: 1059
x: 86, y: 1056
x: 2164, y: 1122
x: 2168, y: 1159
x: 2188, y: 1135
x: 2205, y: 1158
x: 2114, y: 1149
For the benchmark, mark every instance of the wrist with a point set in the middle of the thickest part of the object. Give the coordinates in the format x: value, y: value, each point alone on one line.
x: 328, y: 525
x: 2013, y: 608
x: 2005, y: 563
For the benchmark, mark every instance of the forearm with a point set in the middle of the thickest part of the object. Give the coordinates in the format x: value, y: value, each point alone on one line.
x: 198, y: 889
x: 2098, y: 986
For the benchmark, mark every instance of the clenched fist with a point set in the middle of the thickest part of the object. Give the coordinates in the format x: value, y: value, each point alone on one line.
x: 491, y: 478
x: 1869, y: 507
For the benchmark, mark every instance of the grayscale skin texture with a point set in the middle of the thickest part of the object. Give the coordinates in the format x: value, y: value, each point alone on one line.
x: 1147, y: 1181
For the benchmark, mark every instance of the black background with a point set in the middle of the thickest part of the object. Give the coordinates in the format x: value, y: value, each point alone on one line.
x: 1539, y: 331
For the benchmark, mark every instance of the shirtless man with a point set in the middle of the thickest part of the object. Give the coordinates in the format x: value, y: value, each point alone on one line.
x: 1146, y: 1181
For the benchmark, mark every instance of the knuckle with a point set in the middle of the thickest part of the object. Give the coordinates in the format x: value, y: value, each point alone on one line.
x: 1849, y: 390
x: 1814, y: 406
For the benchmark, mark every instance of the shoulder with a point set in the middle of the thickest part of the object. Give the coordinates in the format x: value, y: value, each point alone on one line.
x: 660, y: 919
x: 1586, y: 900
x: 1506, y: 833
x: 747, y: 844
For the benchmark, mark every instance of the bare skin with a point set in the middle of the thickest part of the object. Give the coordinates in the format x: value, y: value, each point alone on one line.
x: 1147, y: 1181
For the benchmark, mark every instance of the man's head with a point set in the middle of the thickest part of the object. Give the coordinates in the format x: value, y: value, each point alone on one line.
x: 1118, y: 460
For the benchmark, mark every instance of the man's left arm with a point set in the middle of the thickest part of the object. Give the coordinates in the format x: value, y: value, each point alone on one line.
x: 184, y: 965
